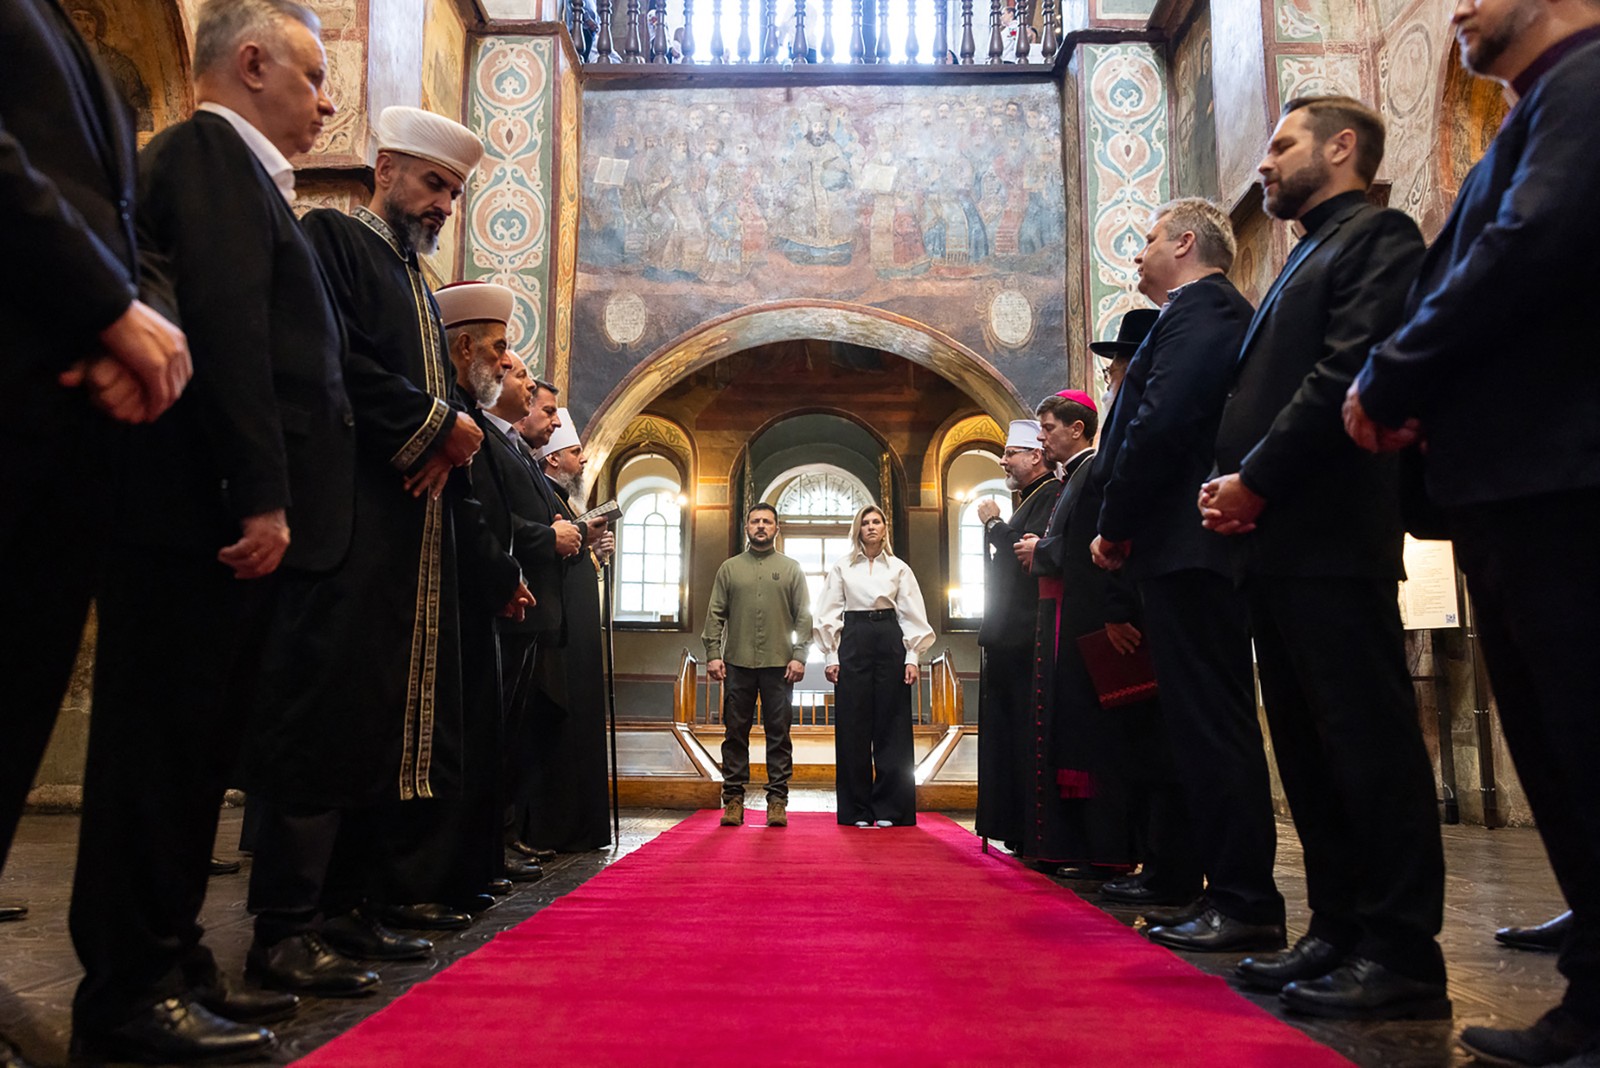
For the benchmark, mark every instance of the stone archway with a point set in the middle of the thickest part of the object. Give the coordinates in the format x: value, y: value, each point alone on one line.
x: 787, y: 321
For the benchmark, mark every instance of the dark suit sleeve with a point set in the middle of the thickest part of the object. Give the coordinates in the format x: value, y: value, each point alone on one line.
x: 394, y: 419
x: 55, y: 265
x: 1190, y: 365
x: 202, y: 210
x: 1370, y: 276
x: 489, y: 576
x: 1522, y: 260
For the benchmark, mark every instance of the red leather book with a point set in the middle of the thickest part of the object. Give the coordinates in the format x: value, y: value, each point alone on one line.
x: 1119, y: 678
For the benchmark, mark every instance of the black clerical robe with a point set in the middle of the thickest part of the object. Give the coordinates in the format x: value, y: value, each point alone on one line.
x: 362, y: 694
x: 567, y: 804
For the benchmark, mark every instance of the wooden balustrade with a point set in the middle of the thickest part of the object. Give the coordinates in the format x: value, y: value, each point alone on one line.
x: 947, y: 699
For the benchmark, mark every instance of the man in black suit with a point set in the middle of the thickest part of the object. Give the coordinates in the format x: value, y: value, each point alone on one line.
x: 1319, y: 536
x: 1010, y: 607
x: 201, y: 554
x: 1156, y: 448
x: 77, y: 337
x: 1524, y: 512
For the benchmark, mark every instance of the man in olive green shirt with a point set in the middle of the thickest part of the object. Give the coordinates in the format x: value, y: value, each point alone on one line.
x: 756, y: 634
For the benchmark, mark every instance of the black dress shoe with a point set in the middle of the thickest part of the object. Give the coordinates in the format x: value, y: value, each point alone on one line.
x: 303, y: 963
x: 224, y: 867
x: 1546, y: 937
x: 11, y: 1057
x: 1212, y: 932
x: 1361, y: 989
x: 1310, y: 958
x: 12, y: 912
x: 1174, y: 916
x: 474, y: 904
x: 243, y: 1004
x: 498, y: 887
x: 528, y: 871
x: 357, y: 935
x: 1123, y: 882
x: 1555, y: 1037
x: 429, y: 916
x: 174, y: 1030
x: 1142, y: 896
x: 530, y: 852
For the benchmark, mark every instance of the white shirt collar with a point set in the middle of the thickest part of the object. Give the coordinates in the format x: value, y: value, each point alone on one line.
x: 504, y: 427
x: 278, y: 168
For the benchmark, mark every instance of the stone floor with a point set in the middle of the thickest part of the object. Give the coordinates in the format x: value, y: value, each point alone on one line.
x: 1495, y: 877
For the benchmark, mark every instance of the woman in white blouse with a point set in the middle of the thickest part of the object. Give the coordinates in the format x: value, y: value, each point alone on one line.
x: 871, y: 625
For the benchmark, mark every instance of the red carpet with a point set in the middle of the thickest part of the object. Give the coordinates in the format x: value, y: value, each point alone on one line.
x: 821, y: 945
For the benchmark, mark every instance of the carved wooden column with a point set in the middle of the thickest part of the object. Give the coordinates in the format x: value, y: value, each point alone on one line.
x: 1050, y: 40
x: 883, y: 31
x: 969, y: 47
x: 799, y: 49
x: 941, y: 31
x: 744, y: 31
x: 659, y: 44
x: 912, y: 48
x: 602, y: 47
x: 769, y: 31
x: 997, y: 44
x: 688, y: 28
x: 827, y: 31
x: 719, y: 53
x: 858, y: 44
x: 869, y: 42
x: 632, y: 46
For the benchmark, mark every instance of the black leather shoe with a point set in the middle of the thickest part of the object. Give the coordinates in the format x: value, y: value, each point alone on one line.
x: 1310, y: 958
x: 12, y: 912
x: 498, y: 887
x: 474, y: 904
x: 11, y: 1057
x: 357, y: 935
x: 1212, y: 932
x: 243, y: 1004
x: 528, y: 871
x: 1545, y: 937
x: 1174, y: 916
x: 174, y: 1030
x: 1361, y: 989
x: 1142, y: 896
x: 1123, y: 882
x: 429, y: 916
x: 530, y: 852
x: 303, y: 963
x: 1555, y: 1037
x: 224, y: 867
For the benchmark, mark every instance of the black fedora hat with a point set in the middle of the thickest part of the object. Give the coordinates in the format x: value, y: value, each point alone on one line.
x: 1130, y: 333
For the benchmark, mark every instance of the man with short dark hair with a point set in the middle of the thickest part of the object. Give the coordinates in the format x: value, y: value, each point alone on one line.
x: 756, y: 633
x: 1156, y: 448
x: 1525, y: 512
x: 1318, y: 530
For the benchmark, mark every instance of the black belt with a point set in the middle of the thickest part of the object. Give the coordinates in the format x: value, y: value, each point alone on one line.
x: 874, y: 615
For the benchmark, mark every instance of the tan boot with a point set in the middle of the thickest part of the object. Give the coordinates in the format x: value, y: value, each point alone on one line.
x: 733, y: 812
x: 777, y: 813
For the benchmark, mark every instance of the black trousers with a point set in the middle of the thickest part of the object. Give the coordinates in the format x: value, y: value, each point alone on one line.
x: 1537, y: 622
x: 873, y: 750
x: 738, y: 712
x: 1343, y: 716
x: 1198, y: 627
x: 1005, y: 742
x: 48, y: 547
x: 174, y: 670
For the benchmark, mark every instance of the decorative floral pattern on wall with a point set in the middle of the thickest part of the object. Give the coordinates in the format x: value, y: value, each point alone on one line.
x: 508, y: 201
x: 343, y: 141
x: 1126, y: 158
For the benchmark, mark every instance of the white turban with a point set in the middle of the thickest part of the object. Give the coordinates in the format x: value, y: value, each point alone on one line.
x: 431, y: 137
x: 466, y: 302
x: 565, y: 437
x: 1024, y: 434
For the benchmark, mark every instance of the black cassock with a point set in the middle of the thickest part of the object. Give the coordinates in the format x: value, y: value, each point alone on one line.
x: 361, y: 695
x: 567, y: 806
x: 1006, y: 722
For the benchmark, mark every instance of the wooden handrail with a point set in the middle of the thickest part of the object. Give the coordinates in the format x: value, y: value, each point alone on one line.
x: 948, y: 700
x: 686, y: 689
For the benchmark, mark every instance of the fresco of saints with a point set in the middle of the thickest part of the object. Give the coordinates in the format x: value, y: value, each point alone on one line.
x: 817, y: 221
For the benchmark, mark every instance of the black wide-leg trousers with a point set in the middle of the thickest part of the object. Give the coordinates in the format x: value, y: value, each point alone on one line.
x: 873, y: 750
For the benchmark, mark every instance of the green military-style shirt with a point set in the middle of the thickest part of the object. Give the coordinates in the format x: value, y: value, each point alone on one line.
x: 760, y: 613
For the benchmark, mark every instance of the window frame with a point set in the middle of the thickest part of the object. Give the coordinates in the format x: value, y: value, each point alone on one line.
x: 685, y: 621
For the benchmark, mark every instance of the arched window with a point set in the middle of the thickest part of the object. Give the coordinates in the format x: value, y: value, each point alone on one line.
x: 816, y: 505
x: 967, y: 592
x: 650, y: 542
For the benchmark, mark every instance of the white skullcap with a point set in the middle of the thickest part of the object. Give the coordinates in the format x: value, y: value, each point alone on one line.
x: 466, y: 302
x: 565, y: 437
x: 431, y: 137
x: 1024, y: 434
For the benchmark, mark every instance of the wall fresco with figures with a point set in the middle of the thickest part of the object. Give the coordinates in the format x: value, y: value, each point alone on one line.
x: 1125, y: 157
x: 1194, y: 120
x: 942, y: 205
